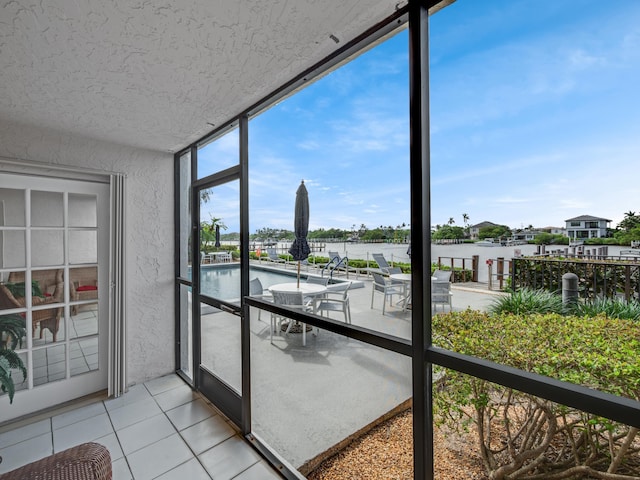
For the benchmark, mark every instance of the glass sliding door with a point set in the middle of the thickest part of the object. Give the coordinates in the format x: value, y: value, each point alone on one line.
x: 184, y: 237
x: 217, y: 281
x: 53, y: 288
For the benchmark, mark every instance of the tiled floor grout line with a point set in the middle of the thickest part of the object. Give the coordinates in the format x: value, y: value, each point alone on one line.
x: 53, y: 446
x: 186, y: 402
x: 164, y: 412
x: 115, y: 433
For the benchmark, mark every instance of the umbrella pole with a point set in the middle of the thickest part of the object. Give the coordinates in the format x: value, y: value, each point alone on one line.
x: 298, y: 274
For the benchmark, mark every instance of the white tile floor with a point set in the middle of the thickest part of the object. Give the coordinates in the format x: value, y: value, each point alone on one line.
x: 160, y: 429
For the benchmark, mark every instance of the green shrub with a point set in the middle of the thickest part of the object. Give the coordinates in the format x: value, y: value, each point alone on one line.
x: 523, y: 436
x: 611, y: 307
x: 527, y: 301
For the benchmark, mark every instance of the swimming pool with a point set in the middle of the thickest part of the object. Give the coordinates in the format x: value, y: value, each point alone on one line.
x: 223, y: 281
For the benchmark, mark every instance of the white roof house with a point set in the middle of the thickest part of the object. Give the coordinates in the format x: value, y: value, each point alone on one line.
x: 587, y: 226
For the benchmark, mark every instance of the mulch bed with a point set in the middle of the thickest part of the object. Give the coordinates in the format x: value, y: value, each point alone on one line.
x: 386, y: 453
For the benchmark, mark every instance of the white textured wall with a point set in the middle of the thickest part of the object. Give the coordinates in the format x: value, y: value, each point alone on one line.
x: 150, y: 308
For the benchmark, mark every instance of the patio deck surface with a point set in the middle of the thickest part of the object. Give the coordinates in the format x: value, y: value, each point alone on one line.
x: 305, y: 399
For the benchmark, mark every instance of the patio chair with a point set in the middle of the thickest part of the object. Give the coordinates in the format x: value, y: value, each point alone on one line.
x: 257, y: 290
x: 388, y: 289
x: 318, y: 280
x: 336, y: 262
x: 292, y: 300
x: 272, y: 256
x: 442, y: 275
x: 336, y: 300
x: 324, y: 281
x: 46, y: 318
x: 381, y: 261
x: 441, y: 295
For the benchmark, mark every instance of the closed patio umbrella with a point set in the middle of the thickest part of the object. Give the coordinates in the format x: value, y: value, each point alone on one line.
x: 300, y: 248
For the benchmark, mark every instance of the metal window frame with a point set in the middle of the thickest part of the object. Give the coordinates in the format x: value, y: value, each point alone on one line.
x: 421, y: 350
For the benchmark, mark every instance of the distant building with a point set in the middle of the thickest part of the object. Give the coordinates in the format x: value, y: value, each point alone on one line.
x: 525, y: 235
x: 586, y: 226
x: 475, y: 229
x: 554, y: 230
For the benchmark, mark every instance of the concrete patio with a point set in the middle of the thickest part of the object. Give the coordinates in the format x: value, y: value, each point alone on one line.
x: 333, y: 386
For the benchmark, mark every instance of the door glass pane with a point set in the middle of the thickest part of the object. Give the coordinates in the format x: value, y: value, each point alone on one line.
x: 84, y: 356
x: 47, y: 322
x: 83, y: 210
x: 220, y: 279
x: 83, y: 246
x: 47, y: 209
x: 19, y: 381
x: 184, y: 204
x: 220, y: 345
x: 46, y: 297
x: 186, y: 331
x: 219, y: 241
x: 84, y: 320
x: 13, y: 252
x: 219, y: 154
x: 12, y: 207
x: 47, y: 247
x: 49, y: 364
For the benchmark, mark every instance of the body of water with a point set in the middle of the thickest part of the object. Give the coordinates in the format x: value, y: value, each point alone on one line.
x: 223, y: 281
x: 398, y: 252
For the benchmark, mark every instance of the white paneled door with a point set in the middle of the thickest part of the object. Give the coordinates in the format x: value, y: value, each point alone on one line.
x: 54, y: 289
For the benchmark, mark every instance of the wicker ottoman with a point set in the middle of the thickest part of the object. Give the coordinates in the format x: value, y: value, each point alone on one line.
x: 89, y: 461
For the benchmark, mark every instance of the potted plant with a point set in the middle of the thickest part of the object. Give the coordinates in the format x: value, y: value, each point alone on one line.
x: 13, y: 331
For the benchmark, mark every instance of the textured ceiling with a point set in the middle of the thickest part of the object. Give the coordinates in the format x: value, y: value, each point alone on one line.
x: 155, y: 74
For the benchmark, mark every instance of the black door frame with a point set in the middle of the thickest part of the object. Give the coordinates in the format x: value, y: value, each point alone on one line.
x: 219, y: 392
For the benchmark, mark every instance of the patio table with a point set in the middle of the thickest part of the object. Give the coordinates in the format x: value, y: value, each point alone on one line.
x: 307, y: 289
x: 406, y: 279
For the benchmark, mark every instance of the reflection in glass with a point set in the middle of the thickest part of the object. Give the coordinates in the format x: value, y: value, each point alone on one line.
x: 220, y: 211
x: 220, y: 345
x: 47, y: 209
x: 83, y: 283
x: 47, y: 284
x: 84, y: 321
x: 49, y: 364
x: 220, y: 154
x: 48, y: 324
x: 523, y: 433
x: 14, y: 255
x: 47, y: 289
x: 83, y: 210
x: 83, y: 246
x: 184, y: 204
x: 346, y: 384
x: 186, y: 331
x: 19, y: 382
x: 84, y: 356
x: 12, y: 207
x: 47, y: 247
x: 12, y: 296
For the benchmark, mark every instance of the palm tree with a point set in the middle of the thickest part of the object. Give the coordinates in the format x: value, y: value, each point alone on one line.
x: 465, y: 219
x: 451, y: 221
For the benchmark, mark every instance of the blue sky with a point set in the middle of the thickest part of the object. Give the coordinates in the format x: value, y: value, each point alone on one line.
x: 535, y: 118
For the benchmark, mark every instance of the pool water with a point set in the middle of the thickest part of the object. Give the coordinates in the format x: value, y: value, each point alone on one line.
x: 223, y: 281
